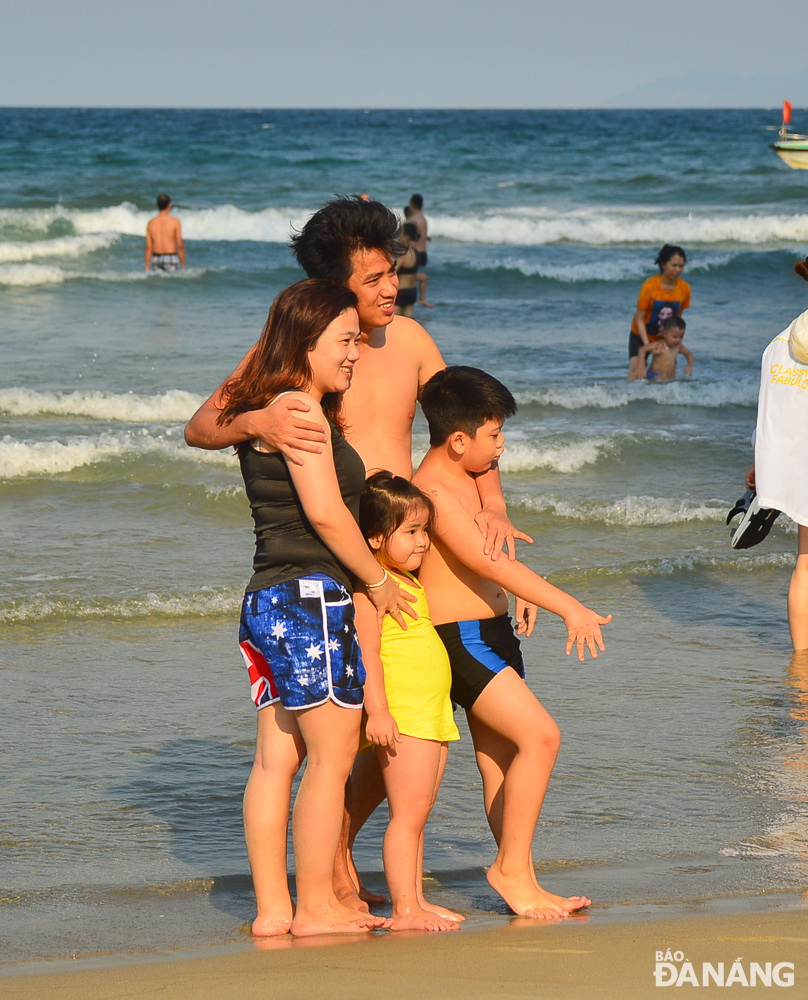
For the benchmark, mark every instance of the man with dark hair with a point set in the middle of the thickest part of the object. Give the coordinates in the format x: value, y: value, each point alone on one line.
x: 353, y: 242
x: 165, y: 250
x: 356, y: 242
x: 326, y: 245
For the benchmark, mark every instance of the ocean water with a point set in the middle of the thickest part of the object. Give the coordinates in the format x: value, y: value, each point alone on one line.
x: 128, y: 730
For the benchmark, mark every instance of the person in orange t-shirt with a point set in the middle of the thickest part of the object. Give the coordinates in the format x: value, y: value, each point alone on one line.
x: 660, y: 297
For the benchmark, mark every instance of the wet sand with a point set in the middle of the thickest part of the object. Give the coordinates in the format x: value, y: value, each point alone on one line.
x: 579, y: 956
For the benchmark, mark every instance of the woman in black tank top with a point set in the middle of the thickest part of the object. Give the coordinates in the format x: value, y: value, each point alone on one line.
x: 297, y: 633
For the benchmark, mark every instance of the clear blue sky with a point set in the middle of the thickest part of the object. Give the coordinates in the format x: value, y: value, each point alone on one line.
x: 421, y: 53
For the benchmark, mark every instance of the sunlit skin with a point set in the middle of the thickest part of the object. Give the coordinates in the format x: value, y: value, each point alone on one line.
x: 374, y: 282
x: 406, y: 547
x: 333, y: 357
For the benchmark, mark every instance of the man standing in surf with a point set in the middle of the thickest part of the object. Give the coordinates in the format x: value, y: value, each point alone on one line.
x: 165, y: 250
x: 354, y: 242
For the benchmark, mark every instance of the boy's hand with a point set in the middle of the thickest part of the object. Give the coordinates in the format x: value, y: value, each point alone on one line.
x: 525, y: 617
x: 689, y: 369
x: 583, y: 628
x: 498, y: 531
x: 381, y: 729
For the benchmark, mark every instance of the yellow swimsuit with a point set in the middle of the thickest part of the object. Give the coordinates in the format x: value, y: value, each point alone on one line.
x: 417, y: 676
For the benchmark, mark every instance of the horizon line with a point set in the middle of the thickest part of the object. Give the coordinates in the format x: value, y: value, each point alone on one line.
x: 368, y: 110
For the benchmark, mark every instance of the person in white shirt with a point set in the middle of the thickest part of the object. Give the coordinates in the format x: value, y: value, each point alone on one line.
x: 780, y: 472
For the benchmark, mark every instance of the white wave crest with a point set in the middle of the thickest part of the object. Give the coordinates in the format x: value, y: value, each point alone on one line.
x: 22, y: 459
x: 630, y: 511
x: 520, y: 225
x: 174, y: 405
x: 740, y: 562
x: 220, y: 223
x: 570, y: 456
x: 29, y: 275
x: 696, y: 392
x: 206, y: 602
x: 527, y: 226
x: 65, y: 246
x: 585, y: 271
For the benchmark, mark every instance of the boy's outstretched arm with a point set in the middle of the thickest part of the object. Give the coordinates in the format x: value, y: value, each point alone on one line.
x: 493, y: 520
x: 456, y: 531
x: 282, y: 424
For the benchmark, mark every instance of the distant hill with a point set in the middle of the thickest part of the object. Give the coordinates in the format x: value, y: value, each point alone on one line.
x: 716, y: 89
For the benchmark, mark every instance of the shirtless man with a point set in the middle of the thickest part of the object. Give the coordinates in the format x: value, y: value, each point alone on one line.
x: 416, y: 215
x: 354, y: 242
x: 165, y: 250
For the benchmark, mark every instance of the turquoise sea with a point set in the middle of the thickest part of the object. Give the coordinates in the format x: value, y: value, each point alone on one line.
x: 683, y: 775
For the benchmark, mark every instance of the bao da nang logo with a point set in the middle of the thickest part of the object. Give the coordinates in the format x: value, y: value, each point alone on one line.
x: 673, y: 969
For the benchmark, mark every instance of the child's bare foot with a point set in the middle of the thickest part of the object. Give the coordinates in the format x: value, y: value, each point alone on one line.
x: 441, y: 911
x: 524, y: 897
x: 329, y: 920
x: 273, y: 923
x: 416, y: 918
x: 424, y: 302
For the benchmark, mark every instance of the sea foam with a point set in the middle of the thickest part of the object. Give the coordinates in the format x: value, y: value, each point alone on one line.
x: 568, y: 456
x: 629, y: 511
x: 517, y: 226
x: 668, y: 565
x: 614, y: 395
x: 23, y: 459
x: 586, y: 271
x: 218, y: 223
x: 29, y: 275
x: 65, y: 246
x: 174, y: 405
x: 203, y: 603
x: 596, y: 226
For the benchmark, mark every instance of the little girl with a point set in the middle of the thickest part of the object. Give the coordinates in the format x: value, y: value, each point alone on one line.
x: 407, y: 701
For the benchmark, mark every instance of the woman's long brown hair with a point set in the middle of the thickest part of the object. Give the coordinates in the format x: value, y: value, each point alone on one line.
x: 280, y: 360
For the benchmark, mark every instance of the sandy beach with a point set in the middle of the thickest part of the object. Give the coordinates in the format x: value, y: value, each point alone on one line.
x: 759, y: 950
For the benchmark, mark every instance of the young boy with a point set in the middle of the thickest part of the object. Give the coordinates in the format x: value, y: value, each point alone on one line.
x: 515, y: 739
x: 665, y: 351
